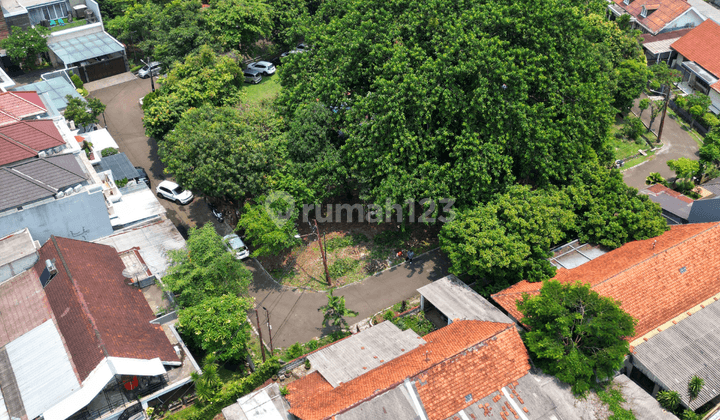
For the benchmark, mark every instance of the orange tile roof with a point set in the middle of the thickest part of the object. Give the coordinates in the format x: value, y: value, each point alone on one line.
x: 466, y: 357
x: 645, y: 276
x: 702, y: 45
x: 661, y: 189
x: 14, y: 107
x: 665, y: 11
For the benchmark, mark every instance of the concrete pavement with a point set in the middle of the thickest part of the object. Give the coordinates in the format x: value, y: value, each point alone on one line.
x: 123, y: 117
x: 294, y: 314
x: 677, y: 143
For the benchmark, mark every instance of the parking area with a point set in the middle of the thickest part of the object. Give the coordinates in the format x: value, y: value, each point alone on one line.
x: 123, y: 117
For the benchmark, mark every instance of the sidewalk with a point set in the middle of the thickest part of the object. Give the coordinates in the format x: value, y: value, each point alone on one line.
x: 294, y: 314
x: 677, y: 143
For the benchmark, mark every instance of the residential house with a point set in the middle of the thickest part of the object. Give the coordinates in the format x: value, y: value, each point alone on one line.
x: 657, y: 16
x: 18, y: 106
x: 699, y: 62
x: 468, y: 369
x: 27, y: 13
x: 53, y: 91
x: 669, y: 284
x: 657, y: 47
x: 675, y: 206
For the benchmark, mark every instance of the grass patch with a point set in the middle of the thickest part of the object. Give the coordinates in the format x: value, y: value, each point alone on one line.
x: 75, y: 23
x: 266, y: 90
x: 340, y: 242
x: 612, y: 397
x: 418, y: 323
x: 342, y: 266
x: 638, y: 160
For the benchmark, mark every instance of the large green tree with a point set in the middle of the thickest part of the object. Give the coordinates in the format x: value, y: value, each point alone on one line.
x: 83, y: 113
x: 223, y: 151
x: 461, y: 99
x: 510, y: 237
x: 24, y: 46
x: 204, y: 77
x: 237, y: 24
x: 205, y: 268
x: 218, y: 325
x: 576, y: 334
x: 270, y: 226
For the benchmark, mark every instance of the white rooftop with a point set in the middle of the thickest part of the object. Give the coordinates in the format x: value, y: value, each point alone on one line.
x: 658, y: 47
x: 15, y: 246
x: 101, y: 139
x: 136, y: 206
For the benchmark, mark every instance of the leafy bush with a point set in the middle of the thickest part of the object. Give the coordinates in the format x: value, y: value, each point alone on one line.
x: 77, y: 81
x: 307, y: 364
x: 681, y: 102
x: 613, y: 398
x: 344, y: 241
x: 83, y: 92
x: 669, y: 400
x: 418, y: 323
x: 633, y: 128
x: 655, y: 178
x: 711, y: 120
x: 121, y: 182
x: 108, y: 151
x: 312, y: 345
x: 133, y: 69
x: 294, y: 351
x: 695, y: 386
x: 342, y: 266
x: 284, y: 391
x: 392, y: 238
x: 691, y: 415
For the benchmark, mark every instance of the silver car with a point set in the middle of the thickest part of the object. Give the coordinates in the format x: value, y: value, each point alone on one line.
x: 252, y: 76
x: 236, y: 246
x: 152, y: 69
x: 265, y: 67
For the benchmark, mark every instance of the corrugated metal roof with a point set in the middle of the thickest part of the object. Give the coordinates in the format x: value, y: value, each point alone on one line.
x: 658, y: 47
x: 83, y: 48
x: 120, y: 166
x: 456, y: 300
x: 362, y: 352
x: 682, y: 351
x: 42, y: 369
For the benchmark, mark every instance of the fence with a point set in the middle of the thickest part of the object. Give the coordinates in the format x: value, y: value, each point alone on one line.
x: 689, y: 119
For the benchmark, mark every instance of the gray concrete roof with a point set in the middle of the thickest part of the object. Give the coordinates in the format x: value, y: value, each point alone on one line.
x: 263, y: 404
x: 392, y: 405
x: 39, y: 178
x: 703, y: 211
x: 362, y: 352
x: 15, y: 246
x: 682, y: 351
x: 456, y: 300
x: 706, y: 9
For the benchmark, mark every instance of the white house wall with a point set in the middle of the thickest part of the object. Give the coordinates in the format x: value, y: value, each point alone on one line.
x: 691, y: 16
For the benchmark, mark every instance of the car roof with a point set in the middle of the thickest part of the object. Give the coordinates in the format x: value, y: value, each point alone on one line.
x: 265, y: 63
x: 168, y: 184
x: 252, y: 71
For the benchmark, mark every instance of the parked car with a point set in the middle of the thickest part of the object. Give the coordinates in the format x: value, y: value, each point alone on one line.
x: 236, y: 246
x: 154, y: 69
x: 252, y: 76
x: 295, y: 51
x: 174, y: 192
x: 264, y: 67
x: 143, y: 176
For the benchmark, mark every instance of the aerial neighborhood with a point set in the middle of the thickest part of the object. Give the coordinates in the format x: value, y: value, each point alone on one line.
x: 359, y: 210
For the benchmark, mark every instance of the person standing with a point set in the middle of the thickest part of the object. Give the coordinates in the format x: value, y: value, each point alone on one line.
x: 410, y: 255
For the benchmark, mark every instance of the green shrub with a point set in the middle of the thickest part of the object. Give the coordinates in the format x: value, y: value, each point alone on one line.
x: 284, y: 391
x: 691, y: 415
x: 133, y: 69
x: 77, y: 81
x: 312, y: 345
x: 121, y: 182
x: 307, y: 364
x: 392, y: 238
x: 681, y: 102
x: 711, y: 120
x: 108, y: 151
x: 418, y: 323
x: 613, y: 398
x: 695, y: 386
x: 669, y: 400
x: 83, y: 92
x: 389, y: 315
x: 633, y: 127
x: 342, y: 266
x: 294, y: 351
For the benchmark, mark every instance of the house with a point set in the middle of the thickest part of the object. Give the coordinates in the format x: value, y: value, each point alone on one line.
x: 657, y: 47
x: 657, y: 16
x: 468, y: 369
x: 27, y: 13
x: 17, y: 106
x: 668, y: 283
x: 53, y: 90
x: 675, y: 206
x: 699, y: 62
x: 30, y: 139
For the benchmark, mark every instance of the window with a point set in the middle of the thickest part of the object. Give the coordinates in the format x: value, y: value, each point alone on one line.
x: 52, y: 11
x: 643, y: 13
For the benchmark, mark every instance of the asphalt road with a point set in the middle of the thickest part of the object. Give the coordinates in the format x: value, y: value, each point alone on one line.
x: 123, y: 116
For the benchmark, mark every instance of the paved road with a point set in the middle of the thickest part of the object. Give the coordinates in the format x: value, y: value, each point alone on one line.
x: 124, y: 122
x: 677, y: 143
x: 294, y: 314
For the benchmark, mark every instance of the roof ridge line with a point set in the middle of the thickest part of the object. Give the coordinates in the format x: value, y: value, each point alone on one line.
x: 81, y: 300
x: 18, y: 143
x: 31, y: 179
x: 47, y: 159
x: 25, y: 100
x: 10, y: 115
x: 716, y: 224
x: 395, y: 384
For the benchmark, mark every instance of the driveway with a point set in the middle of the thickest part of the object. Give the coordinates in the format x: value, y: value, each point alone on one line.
x: 294, y: 314
x: 677, y: 143
x: 123, y: 116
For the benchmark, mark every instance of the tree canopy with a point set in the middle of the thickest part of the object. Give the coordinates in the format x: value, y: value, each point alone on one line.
x: 334, y: 312
x: 205, y: 269
x: 575, y: 334
x: 269, y: 226
x: 448, y: 99
x: 223, y: 151
x: 24, y: 46
x: 83, y: 113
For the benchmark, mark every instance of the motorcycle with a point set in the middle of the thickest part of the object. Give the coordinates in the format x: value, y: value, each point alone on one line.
x: 217, y: 213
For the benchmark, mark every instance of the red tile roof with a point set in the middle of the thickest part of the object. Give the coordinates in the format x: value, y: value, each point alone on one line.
x: 14, y: 107
x: 665, y: 11
x: 702, y: 45
x: 646, y: 276
x: 98, y: 314
x: 661, y: 189
x: 665, y: 35
x: 24, y: 139
x: 466, y: 357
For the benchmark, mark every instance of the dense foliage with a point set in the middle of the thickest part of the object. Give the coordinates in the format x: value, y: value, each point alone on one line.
x: 575, y: 334
x: 24, y: 46
x: 461, y: 99
x: 205, y: 269
x: 269, y: 226
x: 334, y: 312
x: 83, y: 113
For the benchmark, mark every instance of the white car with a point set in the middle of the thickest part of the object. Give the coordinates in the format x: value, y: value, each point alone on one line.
x: 266, y: 68
x: 152, y: 69
x: 236, y: 246
x: 174, y: 192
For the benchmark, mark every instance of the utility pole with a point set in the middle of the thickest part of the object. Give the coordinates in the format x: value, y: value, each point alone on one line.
x: 152, y: 83
x: 324, y: 257
x: 662, y: 119
x: 262, y: 346
x: 267, y: 316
